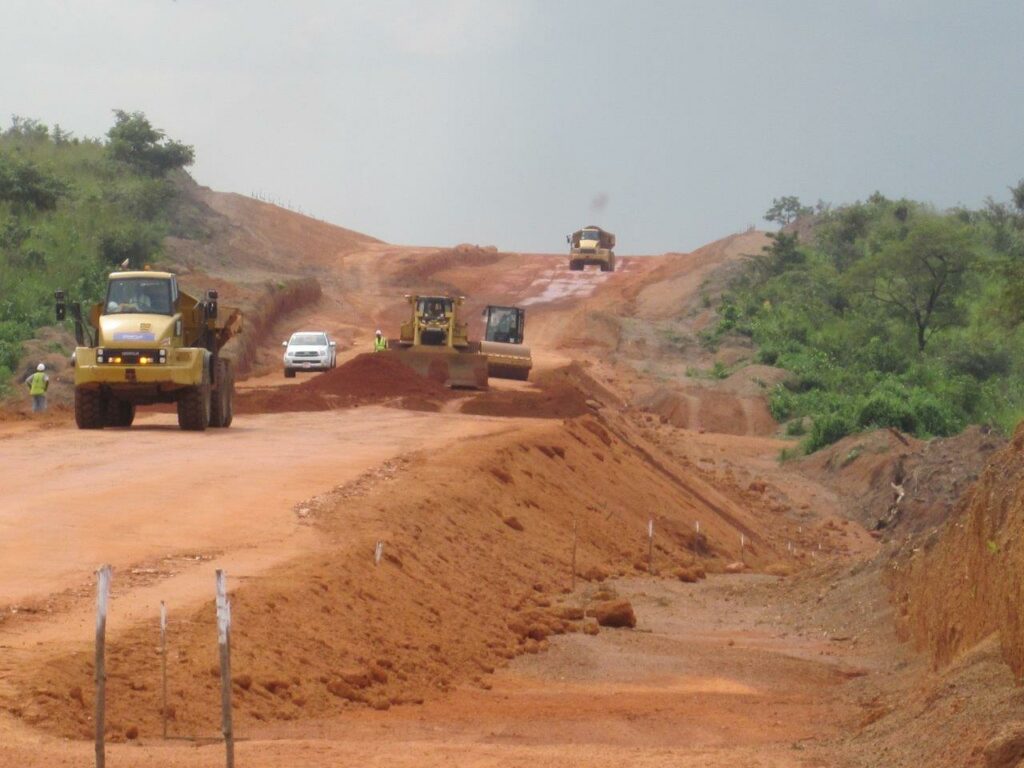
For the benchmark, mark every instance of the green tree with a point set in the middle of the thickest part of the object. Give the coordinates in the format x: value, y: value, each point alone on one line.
x: 782, y: 255
x: 785, y: 210
x: 919, y: 278
x: 134, y: 141
x: 1018, y: 196
x: 27, y: 187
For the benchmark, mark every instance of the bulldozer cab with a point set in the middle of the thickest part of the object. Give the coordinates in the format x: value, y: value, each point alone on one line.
x: 434, y: 308
x: 504, y: 324
x: 435, y: 322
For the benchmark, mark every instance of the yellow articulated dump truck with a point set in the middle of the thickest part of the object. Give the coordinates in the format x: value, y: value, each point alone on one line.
x: 434, y: 342
x: 150, y: 342
x: 504, y: 328
x: 591, y: 245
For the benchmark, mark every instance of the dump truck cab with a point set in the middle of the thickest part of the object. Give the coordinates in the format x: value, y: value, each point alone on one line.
x: 591, y: 245
x: 150, y: 342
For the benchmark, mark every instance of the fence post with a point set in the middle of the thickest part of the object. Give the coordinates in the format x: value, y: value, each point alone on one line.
x: 102, y: 595
x: 650, y: 546
x: 163, y: 666
x: 224, y: 640
x: 574, y: 552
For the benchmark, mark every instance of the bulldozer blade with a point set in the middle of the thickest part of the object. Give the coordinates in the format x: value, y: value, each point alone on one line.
x: 507, y: 361
x: 441, y: 364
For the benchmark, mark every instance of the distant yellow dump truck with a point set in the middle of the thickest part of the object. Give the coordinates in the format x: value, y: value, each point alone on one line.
x: 591, y: 245
x: 150, y: 342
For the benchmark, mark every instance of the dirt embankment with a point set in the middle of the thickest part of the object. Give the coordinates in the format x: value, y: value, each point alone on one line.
x: 964, y: 583
x: 365, y: 379
x: 475, y: 568
x: 899, y: 484
x: 276, y: 301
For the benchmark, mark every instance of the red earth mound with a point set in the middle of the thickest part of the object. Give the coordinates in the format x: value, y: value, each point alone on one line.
x: 559, y: 401
x: 363, y: 380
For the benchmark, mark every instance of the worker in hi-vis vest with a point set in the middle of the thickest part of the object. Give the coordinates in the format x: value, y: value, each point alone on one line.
x: 379, y: 342
x: 37, y: 385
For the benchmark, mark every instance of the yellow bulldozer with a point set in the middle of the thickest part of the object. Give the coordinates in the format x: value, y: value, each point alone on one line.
x: 150, y: 342
x: 435, y: 342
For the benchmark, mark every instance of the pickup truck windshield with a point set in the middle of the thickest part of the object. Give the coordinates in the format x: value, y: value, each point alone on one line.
x: 308, y: 340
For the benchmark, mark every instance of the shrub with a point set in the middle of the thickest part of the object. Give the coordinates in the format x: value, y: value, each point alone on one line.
x: 828, y: 428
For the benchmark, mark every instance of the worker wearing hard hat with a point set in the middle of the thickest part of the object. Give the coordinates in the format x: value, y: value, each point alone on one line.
x: 379, y: 342
x: 37, y: 385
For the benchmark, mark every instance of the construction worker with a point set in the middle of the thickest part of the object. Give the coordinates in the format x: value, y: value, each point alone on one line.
x: 37, y: 385
x: 379, y: 342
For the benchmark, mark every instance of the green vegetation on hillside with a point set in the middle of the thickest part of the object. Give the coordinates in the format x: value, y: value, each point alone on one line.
x: 71, y: 210
x: 888, y: 313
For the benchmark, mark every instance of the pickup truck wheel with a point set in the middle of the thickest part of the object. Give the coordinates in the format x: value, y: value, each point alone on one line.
x: 194, y: 408
x: 89, y: 409
x: 289, y: 373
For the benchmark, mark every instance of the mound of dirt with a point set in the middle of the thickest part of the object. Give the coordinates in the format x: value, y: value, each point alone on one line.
x: 894, y: 482
x: 712, y: 410
x: 363, y: 380
x: 556, y: 402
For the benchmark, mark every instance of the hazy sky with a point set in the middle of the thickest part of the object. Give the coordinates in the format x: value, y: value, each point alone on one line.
x: 512, y: 123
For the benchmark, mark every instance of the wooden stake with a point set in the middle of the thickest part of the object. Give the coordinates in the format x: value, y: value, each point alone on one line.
x: 650, y: 546
x: 163, y: 666
x: 102, y: 595
x: 743, y: 549
x: 574, y: 553
x: 224, y: 640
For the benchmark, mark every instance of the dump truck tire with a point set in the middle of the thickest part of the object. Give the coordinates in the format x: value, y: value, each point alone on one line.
x: 194, y: 407
x: 575, y: 266
x: 222, y: 396
x: 89, y: 409
x: 119, y: 413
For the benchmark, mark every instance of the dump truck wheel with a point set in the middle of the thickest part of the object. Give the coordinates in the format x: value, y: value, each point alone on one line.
x: 194, y: 408
x: 220, y: 397
x: 119, y: 413
x: 89, y: 409
x: 229, y: 413
x: 222, y: 405
x: 575, y: 266
x: 289, y: 373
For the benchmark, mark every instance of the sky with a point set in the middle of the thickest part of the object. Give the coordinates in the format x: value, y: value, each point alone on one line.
x: 514, y: 122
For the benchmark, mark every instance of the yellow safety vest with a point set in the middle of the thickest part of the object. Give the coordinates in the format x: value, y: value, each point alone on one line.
x: 379, y: 344
x: 38, y: 384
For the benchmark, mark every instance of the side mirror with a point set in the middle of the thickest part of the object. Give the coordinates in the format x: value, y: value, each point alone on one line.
x: 284, y: 343
x: 211, y: 305
x: 334, y: 343
x: 61, y: 306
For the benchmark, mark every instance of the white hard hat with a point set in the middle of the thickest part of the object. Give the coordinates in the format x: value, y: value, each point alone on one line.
x: 40, y: 367
x: 378, y: 332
